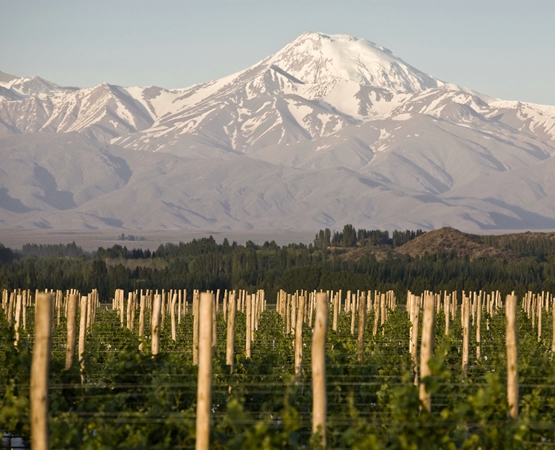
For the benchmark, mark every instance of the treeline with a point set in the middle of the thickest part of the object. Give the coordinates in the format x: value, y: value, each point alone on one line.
x: 46, y: 250
x: 351, y: 237
x: 205, y: 264
x: 523, y: 246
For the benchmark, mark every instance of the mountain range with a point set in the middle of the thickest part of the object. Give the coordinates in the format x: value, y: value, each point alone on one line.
x: 330, y: 130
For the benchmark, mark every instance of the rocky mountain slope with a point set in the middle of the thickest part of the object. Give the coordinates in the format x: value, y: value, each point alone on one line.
x: 329, y: 130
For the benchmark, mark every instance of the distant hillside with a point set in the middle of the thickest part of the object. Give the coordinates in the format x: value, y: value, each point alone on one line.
x: 449, y: 240
x: 331, y: 129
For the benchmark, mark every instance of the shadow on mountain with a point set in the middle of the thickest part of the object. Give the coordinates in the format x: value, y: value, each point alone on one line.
x: 111, y: 222
x: 12, y: 204
x: 524, y: 220
x: 57, y: 199
x: 424, y: 198
x: 121, y: 168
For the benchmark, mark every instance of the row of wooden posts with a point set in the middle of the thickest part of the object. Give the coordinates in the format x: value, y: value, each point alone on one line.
x: 296, y: 309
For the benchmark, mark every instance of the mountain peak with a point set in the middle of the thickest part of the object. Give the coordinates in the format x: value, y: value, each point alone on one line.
x: 5, y: 77
x: 317, y: 58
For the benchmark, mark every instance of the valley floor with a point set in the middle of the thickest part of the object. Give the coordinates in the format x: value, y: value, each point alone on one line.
x: 91, y: 240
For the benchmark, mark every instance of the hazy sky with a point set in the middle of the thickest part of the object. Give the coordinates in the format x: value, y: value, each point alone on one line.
x: 504, y: 48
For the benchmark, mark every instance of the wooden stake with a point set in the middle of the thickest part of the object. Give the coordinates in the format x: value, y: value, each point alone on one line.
x: 142, y: 319
x: 10, y: 308
x: 39, y: 373
x: 336, y: 306
x: 466, y: 332
x: 512, y: 356
x: 172, y: 313
x: 353, y: 317
x: 299, y: 340
x: 361, y: 327
x: 122, y: 307
x: 204, y: 390
x: 248, y: 333
x: 446, y: 307
x: 17, y: 318
x: 553, y: 328
x: 71, y: 330
x: 415, y: 317
x: 377, y: 310
x: 155, y: 324
x: 195, y: 326
x: 540, y: 306
x: 133, y: 310
x: 478, y: 326
x: 288, y: 314
x: 129, y: 307
x: 319, y: 398
x: 426, y: 349
x: 230, y: 342
x: 82, y: 331
x: 215, y: 322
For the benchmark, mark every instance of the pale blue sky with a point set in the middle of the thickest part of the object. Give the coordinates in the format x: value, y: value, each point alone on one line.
x: 504, y: 48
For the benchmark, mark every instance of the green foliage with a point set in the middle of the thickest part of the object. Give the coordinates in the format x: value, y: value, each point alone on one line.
x: 129, y: 399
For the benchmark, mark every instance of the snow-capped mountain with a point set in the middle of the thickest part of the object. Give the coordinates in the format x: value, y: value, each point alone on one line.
x: 329, y: 130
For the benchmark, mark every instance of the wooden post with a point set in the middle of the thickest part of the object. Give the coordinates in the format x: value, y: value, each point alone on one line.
x: 353, y: 315
x: 336, y: 306
x: 446, y: 305
x: 426, y: 349
x: 225, y: 307
x: 299, y: 340
x: 377, y: 311
x: 142, y: 318
x: 24, y: 309
x: 17, y: 317
x: 215, y: 322
x: 288, y: 314
x: 478, y: 326
x: 319, y: 398
x: 82, y: 331
x: 71, y: 329
x: 155, y: 324
x: 204, y: 390
x: 415, y: 317
x: 58, y: 307
x: 10, y: 308
x: 128, y: 313
x: 512, y: 356
x: 553, y: 327
x: 39, y: 373
x: 179, y: 294
x: 540, y: 306
x: 133, y: 310
x: 248, y: 327
x: 172, y: 313
x: 466, y: 332
x: 163, y: 308
x: 195, y: 326
x: 230, y: 342
x: 383, y: 310
x: 121, y: 306
x: 361, y: 327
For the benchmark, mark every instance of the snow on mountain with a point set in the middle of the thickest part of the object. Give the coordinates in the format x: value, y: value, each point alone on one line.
x: 318, y: 59
x: 329, y: 130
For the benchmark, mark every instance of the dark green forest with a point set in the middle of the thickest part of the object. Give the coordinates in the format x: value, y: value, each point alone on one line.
x: 205, y: 264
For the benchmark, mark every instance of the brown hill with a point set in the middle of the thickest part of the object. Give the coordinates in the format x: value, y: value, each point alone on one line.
x: 447, y: 240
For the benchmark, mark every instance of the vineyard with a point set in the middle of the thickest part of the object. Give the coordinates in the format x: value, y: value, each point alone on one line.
x: 234, y: 369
